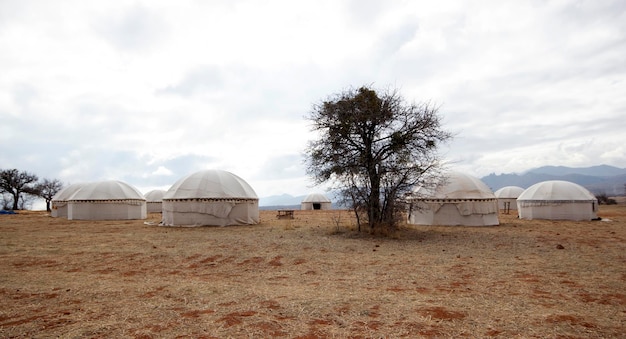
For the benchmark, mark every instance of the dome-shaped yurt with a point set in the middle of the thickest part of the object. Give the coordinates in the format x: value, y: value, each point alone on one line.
x: 557, y: 200
x: 507, y: 197
x: 154, y: 200
x: 460, y: 200
x: 106, y: 200
x: 210, y: 197
x: 316, y: 201
x: 58, y: 204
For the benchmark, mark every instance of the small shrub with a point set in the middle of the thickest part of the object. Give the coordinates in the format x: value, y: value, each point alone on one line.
x: 603, y: 199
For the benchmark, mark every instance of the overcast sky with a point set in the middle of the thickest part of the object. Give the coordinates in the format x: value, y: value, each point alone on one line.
x: 149, y: 91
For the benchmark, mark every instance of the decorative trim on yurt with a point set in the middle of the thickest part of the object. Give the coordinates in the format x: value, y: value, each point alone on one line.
x: 59, y: 202
x: 154, y: 201
x: 106, y: 200
x: 507, y: 197
x: 557, y: 200
x: 210, y: 198
x: 460, y: 200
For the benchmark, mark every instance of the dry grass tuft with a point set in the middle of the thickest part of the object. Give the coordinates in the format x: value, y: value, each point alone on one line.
x: 313, y: 276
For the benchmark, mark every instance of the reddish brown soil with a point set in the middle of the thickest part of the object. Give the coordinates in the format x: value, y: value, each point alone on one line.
x: 312, y: 277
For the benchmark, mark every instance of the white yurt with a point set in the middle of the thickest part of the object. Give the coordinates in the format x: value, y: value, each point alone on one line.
x: 557, y: 200
x: 58, y: 204
x: 106, y: 200
x: 210, y: 197
x: 460, y: 200
x: 154, y: 200
x: 316, y: 201
x: 507, y: 197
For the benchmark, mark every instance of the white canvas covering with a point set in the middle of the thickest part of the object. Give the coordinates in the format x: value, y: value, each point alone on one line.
x: 507, y: 196
x: 58, y: 204
x: 106, y: 200
x: 210, y: 197
x: 461, y: 200
x: 316, y: 201
x: 557, y: 200
x: 154, y: 201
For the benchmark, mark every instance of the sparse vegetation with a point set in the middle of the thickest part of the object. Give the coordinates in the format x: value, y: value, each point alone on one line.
x: 47, y: 189
x: 128, y: 279
x: 19, y: 188
x: 16, y: 184
x: 374, y: 148
x: 603, y: 199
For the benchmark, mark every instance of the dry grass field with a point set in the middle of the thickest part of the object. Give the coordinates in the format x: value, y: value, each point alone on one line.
x: 312, y: 277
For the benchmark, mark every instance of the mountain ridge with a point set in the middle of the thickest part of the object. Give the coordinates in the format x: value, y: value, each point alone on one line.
x: 281, y: 200
x: 599, y: 170
x: 597, y: 179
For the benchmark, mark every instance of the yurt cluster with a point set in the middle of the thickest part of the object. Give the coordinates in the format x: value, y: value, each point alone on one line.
x: 209, y: 197
x: 221, y: 198
x: 463, y: 200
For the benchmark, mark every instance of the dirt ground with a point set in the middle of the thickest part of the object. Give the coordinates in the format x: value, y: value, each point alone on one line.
x: 312, y: 277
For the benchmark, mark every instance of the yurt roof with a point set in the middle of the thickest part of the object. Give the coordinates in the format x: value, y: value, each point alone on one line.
x: 556, y: 190
x: 458, y: 186
x: 509, y: 192
x: 154, y: 196
x: 107, y: 190
x: 316, y: 197
x: 211, y: 184
x: 65, y: 193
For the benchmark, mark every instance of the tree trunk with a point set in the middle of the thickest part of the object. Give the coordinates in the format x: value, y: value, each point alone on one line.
x: 48, y: 206
x: 358, y: 220
x: 373, y: 201
x: 373, y: 208
x: 16, y: 200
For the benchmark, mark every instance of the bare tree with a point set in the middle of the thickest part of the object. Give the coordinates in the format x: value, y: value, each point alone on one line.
x: 47, y: 189
x: 374, y: 149
x: 17, y: 183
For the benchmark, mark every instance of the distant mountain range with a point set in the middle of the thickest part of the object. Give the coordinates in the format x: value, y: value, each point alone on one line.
x: 597, y: 179
x: 281, y: 200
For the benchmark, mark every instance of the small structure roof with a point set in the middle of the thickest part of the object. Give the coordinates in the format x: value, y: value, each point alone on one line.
x: 106, y: 190
x: 458, y: 186
x: 154, y: 196
x: 211, y: 184
x: 509, y: 192
x: 65, y: 193
x: 556, y: 190
x: 316, y: 197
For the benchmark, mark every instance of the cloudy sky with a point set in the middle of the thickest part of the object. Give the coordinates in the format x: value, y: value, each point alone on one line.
x: 149, y: 91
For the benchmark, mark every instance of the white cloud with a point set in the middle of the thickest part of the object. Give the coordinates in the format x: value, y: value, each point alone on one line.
x: 162, y: 170
x: 150, y: 91
x: 135, y: 28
